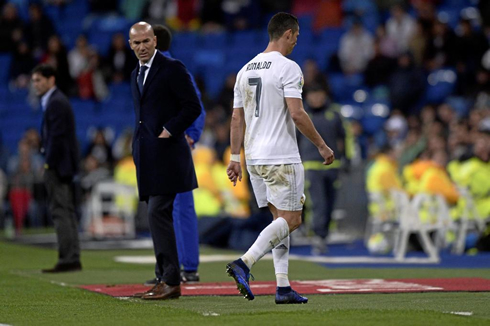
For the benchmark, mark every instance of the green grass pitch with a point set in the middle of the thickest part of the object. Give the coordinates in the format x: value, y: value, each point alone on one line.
x: 28, y: 297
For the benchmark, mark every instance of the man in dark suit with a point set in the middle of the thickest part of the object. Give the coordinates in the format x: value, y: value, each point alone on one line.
x: 60, y: 147
x: 165, y: 105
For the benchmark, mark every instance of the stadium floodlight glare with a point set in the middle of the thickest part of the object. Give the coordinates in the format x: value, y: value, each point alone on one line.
x: 360, y: 96
x: 380, y: 110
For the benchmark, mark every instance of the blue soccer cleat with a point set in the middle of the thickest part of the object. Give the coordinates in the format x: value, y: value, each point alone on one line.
x: 289, y: 297
x: 238, y: 270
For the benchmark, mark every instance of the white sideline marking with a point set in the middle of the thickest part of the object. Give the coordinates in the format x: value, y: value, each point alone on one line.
x: 5, y: 325
x: 461, y: 313
x: 315, y: 259
x: 210, y: 313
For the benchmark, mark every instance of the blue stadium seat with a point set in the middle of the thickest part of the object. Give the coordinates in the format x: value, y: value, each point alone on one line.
x: 82, y: 108
x: 213, y: 41
x: 343, y: 87
x: 375, y: 115
x: 188, y: 41
x: 5, y: 60
x: 69, y: 30
x: 460, y: 104
x: 213, y: 58
x: 120, y: 89
x: 440, y: 84
x: 102, y: 28
x: 121, y: 104
x: 186, y: 56
x: 239, y: 40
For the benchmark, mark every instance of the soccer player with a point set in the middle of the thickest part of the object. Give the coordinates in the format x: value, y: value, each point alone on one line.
x: 267, y: 106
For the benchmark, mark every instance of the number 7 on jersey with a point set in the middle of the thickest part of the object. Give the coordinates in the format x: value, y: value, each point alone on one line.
x: 257, y: 81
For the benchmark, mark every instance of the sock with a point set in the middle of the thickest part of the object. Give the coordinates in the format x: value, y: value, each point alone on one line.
x: 281, y: 262
x: 269, y: 238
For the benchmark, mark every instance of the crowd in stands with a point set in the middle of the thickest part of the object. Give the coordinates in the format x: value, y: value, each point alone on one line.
x: 412, y: 80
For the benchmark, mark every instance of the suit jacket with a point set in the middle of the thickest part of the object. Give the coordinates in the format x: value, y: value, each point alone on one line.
x: 59, y: 141
x: 164, y: 166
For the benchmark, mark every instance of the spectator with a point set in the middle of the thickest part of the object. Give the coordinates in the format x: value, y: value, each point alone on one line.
x: 471, y: 47
x: 407, y: 85
x: 25, y: 152
x: 103, y: 6
x: 120, y: 59
x: 418, y: 43
x: 21, y: 66
x: 33, y: 140
x: 101, y: 150
x: 379, y: 68
x: 241, y: 15
x: 131, y: 9
x: 212, y: 16
x: 122, y: 146
x: 92, y: 173
x: 313, y: 76
x: 11, y: 28
x: 38, y: 30
x: 441, y: 50
x: 400, y: 27
x: 57, y: 57
x: 225, y: 98
x: 160, y: 11
x: 356, y: 49
x: 387, y: 44
x: 91, y: 83
x: 480, y: 92
x: 78, y: 57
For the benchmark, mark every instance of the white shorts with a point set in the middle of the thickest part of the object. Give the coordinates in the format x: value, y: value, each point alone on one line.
x: 281, y: 185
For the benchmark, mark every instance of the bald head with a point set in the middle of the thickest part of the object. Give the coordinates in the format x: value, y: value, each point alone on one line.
x: 142, y: 41
x: 141, y: 27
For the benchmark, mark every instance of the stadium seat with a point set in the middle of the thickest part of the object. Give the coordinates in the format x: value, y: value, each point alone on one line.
x: 213, y: 41
x: 410, y: 223
x: 5, y: 60
x: 343, y: 87
x: 187, y: 41
x: 111, y: 210
x: 82, y: 107
x: 374, y: 117
x: 440, y: 84
x: 101, y: 30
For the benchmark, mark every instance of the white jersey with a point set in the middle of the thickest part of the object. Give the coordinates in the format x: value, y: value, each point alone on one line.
x: 261, y: 88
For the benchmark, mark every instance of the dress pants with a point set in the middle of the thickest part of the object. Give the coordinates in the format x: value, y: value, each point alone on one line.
x: 322, y: 193
x: 162, y: 232
x: 62, y: 208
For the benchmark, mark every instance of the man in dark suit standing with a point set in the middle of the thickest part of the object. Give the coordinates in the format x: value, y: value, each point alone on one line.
x: 60, y: 147
x: 165, y: 105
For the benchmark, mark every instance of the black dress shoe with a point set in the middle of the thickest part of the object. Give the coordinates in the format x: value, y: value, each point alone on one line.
x: 63, y: 268
x: 152, y: 282
x: 189, y: 277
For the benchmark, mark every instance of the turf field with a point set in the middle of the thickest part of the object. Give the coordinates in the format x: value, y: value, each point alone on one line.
x: 28, y: 297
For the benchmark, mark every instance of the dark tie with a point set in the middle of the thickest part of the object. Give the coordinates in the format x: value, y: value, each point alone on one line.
x: 141, y: 78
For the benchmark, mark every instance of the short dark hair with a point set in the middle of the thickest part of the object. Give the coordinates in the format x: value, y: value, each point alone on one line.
x: 280, y: 23
x: 44, y: 70
x: 164, y: 37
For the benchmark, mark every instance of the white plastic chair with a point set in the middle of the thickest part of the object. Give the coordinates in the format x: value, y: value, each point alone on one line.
x: 102, y: 202
x: 468, y: 221
x: 410, y: 223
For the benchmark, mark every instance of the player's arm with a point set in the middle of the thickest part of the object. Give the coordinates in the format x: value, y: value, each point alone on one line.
x: 234, y: 170
x: 306, y: 127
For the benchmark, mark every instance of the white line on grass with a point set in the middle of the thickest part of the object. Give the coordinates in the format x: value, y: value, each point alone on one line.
x: 460, y: 313
x: 316, y: 259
